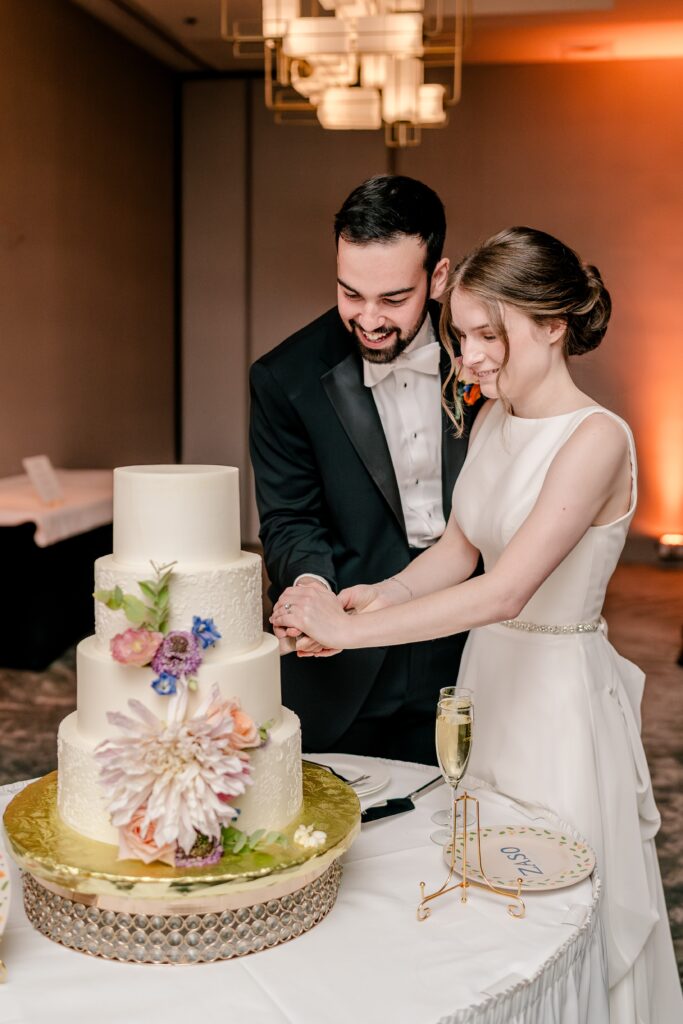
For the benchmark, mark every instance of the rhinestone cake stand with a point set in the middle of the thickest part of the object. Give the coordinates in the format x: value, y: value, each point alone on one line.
x: 78, y: 894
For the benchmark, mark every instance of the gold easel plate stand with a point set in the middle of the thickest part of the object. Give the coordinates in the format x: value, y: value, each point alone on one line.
x: 515, y: 909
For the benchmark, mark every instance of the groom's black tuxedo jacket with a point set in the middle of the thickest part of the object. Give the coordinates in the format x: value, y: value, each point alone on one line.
x: 329, y: 502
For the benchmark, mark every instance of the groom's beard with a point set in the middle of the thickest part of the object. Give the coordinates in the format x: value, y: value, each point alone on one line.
x: 399, y: 344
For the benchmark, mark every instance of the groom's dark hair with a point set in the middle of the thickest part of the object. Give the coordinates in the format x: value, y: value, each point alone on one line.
x: 390, y: 205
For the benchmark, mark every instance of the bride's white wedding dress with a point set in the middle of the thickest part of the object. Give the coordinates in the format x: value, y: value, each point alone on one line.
x: 558, y: 713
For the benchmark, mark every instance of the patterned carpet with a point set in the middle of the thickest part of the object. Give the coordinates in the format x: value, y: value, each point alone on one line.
x: 644, y: 610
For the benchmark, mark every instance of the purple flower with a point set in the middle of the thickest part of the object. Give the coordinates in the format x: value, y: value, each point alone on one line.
x: 178, y: 654
x: 205, y: 631
x: 165, y: 684
x: 204, y: 852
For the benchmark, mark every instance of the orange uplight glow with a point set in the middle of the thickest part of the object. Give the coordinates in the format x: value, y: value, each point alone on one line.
x: 570, y: 40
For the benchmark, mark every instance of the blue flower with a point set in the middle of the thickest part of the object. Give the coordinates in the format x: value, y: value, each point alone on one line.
x: 205, y: 631
x: 165, y: 684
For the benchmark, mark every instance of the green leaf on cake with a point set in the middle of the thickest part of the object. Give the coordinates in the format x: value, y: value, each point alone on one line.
x: 112, y: 598
x: 239, y: 843
x: 234, y: 841
x: 264, y: 730
x: 148, y: 588
x: 256, y: 837
x: 135, y: 611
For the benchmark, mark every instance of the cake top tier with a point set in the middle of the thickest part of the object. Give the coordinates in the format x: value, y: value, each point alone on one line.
x: 188, y: 514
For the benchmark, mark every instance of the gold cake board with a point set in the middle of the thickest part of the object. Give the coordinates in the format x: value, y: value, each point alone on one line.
x: 77, y: 893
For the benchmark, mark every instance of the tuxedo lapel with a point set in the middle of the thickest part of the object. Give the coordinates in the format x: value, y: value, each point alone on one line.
x: 357, y: 412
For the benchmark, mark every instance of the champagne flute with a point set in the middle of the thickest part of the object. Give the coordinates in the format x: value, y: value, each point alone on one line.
x: 454, y: 716
x: 443, y: 818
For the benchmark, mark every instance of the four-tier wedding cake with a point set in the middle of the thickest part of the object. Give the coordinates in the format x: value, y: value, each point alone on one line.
x: 179, y: 731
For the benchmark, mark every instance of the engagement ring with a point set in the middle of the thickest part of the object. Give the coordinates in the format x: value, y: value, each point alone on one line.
x: 287, y: 606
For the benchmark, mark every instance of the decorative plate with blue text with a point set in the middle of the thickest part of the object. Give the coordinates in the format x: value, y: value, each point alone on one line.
x: 541, y: 858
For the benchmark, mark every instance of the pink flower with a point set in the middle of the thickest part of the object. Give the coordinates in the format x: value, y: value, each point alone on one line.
x: 135, y: 646
x: 136, y: 841
x: 242, y: 731
x: 245, y: 732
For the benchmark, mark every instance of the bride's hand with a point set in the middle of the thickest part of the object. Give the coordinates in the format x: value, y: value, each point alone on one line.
x: 314, y: 612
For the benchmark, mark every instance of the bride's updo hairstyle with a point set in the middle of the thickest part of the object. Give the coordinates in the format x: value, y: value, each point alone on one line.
x: 541, y: 277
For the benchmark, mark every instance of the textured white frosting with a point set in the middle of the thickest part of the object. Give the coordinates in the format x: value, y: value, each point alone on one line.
x: 271, y: 802
x: 105, y: 685
x: 229, y: 594
x: 188, y: 514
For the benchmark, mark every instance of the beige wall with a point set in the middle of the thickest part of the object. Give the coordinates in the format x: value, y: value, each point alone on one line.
x: 591, y: 151
x: 215, y: 325
x: 86, y: 243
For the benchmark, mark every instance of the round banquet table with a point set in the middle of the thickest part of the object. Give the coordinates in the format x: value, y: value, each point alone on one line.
x: 370, y: 962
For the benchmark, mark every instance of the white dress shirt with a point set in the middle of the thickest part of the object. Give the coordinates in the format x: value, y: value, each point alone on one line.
x: 408, y: 400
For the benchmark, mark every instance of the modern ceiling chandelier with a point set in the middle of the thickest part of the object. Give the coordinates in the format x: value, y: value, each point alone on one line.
x: 357, y: 64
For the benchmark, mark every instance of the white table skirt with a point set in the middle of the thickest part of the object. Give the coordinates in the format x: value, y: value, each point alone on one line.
x: 369, y: 962
x: 87, y: 504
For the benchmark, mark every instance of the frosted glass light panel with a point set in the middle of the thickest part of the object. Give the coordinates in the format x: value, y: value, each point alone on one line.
x: 373, y: 70
x: 402, y: 6
x: 276, y: 16
x: 401, y: 92
x: 311, y: 77
x: 354, y: 8
x: 307, y: 37
x: 431, y: 108
x: 393, y: 34
x: 350, y: 108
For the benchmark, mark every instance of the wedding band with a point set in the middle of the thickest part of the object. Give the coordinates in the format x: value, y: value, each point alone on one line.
x: 287, y: 606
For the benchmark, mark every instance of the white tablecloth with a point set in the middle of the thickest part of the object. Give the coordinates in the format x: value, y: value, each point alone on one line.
x: 87, y: 504
x: 369, y: 962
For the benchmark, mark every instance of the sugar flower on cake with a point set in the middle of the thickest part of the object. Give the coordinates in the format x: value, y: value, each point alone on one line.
x: 205, y: 630
x: 135, y: 646
x: 309, y: 837
x: 178, y: 654
x: 137, y: 841
x: 178, y: 776
x: 165, y: 685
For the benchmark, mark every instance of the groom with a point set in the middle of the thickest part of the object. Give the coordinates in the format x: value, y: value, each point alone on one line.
x: 355, y: 464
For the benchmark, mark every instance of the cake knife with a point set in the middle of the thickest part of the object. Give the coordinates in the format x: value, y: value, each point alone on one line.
x: 398, y: 804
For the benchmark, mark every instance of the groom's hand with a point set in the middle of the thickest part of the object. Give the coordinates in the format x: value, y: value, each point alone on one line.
x: 307, y: 648
x: 362, y: 598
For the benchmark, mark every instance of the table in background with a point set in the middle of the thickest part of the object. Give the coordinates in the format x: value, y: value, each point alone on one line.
x: 369, y: 962
x: 47, y: 554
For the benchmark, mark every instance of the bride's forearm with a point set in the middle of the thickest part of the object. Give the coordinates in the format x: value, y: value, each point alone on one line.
x: 448, y: 562
x: 476, y: 602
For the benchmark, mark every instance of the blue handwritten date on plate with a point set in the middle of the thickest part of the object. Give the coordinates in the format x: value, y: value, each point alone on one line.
x: 522, y: 863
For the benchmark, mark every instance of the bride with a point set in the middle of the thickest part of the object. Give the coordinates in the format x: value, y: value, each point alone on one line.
x: 546, y: 496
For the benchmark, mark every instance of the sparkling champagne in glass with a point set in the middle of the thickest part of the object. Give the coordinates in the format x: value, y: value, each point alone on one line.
x: 443, y: 818
x: 454, y: 718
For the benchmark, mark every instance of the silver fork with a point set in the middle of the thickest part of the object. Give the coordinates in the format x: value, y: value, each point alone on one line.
x: 355, y: 782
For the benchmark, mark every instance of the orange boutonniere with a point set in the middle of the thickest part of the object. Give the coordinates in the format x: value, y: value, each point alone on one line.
x: 466, y: 386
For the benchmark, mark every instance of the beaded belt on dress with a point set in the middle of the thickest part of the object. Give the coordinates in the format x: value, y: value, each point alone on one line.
x: 533, y: 627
